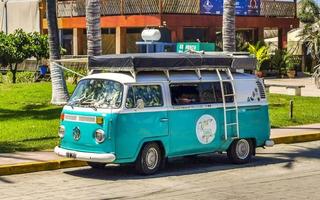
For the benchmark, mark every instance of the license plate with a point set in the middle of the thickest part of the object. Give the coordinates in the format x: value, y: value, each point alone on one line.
x: 71, y: 155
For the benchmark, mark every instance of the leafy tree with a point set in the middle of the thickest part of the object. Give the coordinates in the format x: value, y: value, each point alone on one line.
x: 261, y: 52
x: 311, y: 38
x: 308, y: 12
x: 39, y: 46
x: 14, y: 49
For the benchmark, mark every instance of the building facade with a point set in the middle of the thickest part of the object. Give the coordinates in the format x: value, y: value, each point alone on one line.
x: 185, y: 20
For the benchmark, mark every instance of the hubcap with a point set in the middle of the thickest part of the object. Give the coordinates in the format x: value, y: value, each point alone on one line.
x: 242, y: 149
x: 152, y: 158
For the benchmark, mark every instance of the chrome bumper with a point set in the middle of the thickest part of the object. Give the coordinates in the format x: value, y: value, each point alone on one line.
x: 92, y: 157
x: 269, y: 143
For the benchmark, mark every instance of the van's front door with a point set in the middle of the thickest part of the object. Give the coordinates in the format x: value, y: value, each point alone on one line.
x: 143, y: 119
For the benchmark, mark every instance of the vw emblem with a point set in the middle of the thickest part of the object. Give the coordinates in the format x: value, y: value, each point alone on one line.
x: 76, y: 133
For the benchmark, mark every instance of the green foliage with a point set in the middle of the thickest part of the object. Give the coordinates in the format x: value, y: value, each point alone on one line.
x: 19, y: 46
x: 283, y: 61
x: 40, y: 46
x: 308, y: 12
x: 21, y: 77
x: 278, y: 62
x: 261, y: 52
x: 311, y: 38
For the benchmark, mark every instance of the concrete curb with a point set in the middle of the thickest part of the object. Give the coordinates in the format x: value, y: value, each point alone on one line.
x: 297, y: 138
x: 69, y: 163
x: 39, y: 166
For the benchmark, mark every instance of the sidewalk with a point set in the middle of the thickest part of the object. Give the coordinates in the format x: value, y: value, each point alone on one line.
x: 24, y: 162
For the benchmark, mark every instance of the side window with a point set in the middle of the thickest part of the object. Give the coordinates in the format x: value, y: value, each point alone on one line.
x: 227, y: 87
x: 151, y: 95
x: 199, y: 93
x: 210, y: 92
x: 185, y: 93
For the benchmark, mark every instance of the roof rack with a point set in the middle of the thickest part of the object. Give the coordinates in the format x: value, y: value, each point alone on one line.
x: 167, y: 62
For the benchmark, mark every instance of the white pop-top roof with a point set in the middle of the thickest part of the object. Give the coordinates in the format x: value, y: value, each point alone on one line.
x: 149, y: 77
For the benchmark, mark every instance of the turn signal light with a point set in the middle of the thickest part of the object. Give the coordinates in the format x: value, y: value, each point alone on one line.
x: 99, y: 120
x: 62, y: 117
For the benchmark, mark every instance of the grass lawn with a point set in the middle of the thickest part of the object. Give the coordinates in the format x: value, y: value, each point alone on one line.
x: 27, y: 120
x: 29, y: 123
x: 306, y: 110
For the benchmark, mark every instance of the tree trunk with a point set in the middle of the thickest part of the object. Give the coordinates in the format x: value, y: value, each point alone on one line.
x: 13, y: 70
x: 60, y: 94
x: 228, y: 26
x: 93, y: 14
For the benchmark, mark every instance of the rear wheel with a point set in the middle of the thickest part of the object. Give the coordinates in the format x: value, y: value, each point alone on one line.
x: 96, y: 165
x: 149, y: 159
x: 240, y: 151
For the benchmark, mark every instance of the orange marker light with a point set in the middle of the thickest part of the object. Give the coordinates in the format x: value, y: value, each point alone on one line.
x: 99, y: 120
x: 62, y: 117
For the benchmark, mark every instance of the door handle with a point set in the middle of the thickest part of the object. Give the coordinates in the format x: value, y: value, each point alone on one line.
x: 164, y: 119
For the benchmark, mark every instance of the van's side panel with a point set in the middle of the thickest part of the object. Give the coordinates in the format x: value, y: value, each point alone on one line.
x: 183, y: 134
x: 135, y: 127
x: 254, y: 123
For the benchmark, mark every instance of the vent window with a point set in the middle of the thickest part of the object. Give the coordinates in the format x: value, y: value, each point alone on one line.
x: 261, y: 90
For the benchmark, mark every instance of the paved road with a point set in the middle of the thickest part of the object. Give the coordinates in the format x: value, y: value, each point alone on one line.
x: 281, y: 172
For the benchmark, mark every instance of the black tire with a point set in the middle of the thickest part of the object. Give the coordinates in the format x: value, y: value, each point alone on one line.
x: 96, y: 165
x: 240, y: 151
x: 149, y: 159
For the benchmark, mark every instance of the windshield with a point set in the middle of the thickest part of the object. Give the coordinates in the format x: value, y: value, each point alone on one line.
x: 97, y: 93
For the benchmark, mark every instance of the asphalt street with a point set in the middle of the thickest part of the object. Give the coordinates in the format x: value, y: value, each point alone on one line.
x: 281, y: 172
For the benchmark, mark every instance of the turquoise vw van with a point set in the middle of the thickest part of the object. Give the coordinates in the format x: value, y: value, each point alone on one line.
x: 144, y: 109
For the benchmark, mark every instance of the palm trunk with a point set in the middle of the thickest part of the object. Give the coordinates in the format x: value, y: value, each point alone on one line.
x: 93, y: 14
x: 60, y: 94
x: 228, y: 26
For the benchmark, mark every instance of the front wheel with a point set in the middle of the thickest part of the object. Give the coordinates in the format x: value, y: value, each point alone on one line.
x: 96, y: 165
x: 149, y: 159
x: 240, y: 151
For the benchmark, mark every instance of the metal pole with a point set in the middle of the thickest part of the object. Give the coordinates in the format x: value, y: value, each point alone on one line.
x: 291, y: 109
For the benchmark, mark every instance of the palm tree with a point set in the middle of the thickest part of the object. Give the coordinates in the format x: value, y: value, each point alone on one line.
x: 308, y: 12
x: 93, y: 14
x: 59, y: 88
x: 228, y: 26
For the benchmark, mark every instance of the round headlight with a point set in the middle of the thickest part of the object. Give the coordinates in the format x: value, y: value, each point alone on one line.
x: 99, y: 136
x: 61, y: 131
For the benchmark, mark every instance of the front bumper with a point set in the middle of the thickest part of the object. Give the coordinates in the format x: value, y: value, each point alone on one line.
x: 91, y: 157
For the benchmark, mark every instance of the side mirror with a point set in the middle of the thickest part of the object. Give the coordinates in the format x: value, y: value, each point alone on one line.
x: 140, y: 104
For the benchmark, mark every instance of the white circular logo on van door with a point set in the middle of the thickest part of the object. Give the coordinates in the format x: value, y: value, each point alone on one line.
x: 206, y: 129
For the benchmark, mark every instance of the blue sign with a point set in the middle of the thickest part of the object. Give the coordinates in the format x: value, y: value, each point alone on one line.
x: 243, y: 7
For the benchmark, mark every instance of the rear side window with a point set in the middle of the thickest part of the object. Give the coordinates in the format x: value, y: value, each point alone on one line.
x: 151, y: 95
x: 199, y: 93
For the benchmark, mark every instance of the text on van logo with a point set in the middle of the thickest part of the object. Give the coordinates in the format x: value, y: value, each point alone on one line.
x: 206, y: 129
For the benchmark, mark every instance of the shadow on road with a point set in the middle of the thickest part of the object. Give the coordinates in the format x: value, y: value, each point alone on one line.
x: 175, y: 167
x: 280, y: 154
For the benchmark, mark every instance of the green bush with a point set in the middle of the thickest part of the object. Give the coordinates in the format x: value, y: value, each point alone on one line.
x: 22, y: 77
x: 1, y: 78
